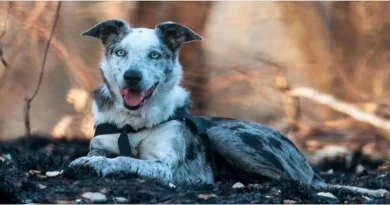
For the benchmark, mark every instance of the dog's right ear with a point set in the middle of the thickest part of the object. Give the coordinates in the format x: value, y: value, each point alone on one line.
x: 108, y: 30
x: 174, y: 34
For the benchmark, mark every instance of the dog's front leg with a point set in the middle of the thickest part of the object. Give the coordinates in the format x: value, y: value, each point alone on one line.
x: 159, y: 157
x: 159, y: 169
x: 103, y: 145
x: 99, y: 147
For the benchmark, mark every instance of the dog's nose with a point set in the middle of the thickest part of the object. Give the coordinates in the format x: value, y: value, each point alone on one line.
x: 132, y: 76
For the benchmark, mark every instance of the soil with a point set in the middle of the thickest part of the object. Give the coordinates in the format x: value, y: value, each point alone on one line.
x: 26, y: 164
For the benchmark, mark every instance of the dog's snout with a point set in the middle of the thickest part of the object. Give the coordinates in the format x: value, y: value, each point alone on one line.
x: 132, y: 76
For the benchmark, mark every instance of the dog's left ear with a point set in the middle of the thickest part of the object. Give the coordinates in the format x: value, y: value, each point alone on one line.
x: 108, y: 30
x: 174, y: 34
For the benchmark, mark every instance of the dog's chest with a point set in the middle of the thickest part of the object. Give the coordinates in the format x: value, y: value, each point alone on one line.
x: 154, y: 143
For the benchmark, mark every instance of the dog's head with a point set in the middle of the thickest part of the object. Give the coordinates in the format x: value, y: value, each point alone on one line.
x: 140, y: 62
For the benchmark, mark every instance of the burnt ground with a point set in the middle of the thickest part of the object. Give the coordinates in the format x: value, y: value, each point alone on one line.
x: 23, y: 179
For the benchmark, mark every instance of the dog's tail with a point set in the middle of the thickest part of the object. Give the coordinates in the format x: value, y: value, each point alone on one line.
x: 360, y: 190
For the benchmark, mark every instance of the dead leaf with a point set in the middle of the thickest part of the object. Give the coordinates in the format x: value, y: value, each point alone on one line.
x: 286, y: 201
x: 64, y: 202
x: 41, y: 176
x: 95, y: 196
x: 238, y: 185
x: 384, y: 166
x: 207, y: 196
x: 120, y: 200
x: 54, y: 173
x: 41, y: 186
x: 32, y: 171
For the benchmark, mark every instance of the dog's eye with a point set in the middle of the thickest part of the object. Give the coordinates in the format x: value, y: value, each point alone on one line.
x: 154, y: 55
x: 120, y: 53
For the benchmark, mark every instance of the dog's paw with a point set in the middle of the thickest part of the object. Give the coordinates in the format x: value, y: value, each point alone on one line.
x: 79, y: 162
x: 101, y: 165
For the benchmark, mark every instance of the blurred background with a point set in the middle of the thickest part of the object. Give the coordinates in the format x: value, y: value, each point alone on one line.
x: 316, y: 71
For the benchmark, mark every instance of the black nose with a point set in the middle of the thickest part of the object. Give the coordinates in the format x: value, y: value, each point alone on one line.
x: 132, y: 76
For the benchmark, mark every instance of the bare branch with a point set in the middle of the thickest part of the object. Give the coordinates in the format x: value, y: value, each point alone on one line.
x: 34, y: 49
x: 2, y: 59
x: 340, y: 106
x: 28, y: 99
x: 6, y: 20
x: 75, y: 64
x: 28, y: 23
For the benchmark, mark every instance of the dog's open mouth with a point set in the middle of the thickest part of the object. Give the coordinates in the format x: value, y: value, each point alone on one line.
x: 133, y: 99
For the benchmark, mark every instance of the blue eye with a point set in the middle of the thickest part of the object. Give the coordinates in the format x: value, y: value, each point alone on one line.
x: 154, y: 55
x: 120, y: 53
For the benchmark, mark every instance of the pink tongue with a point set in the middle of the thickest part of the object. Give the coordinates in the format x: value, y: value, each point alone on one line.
x: 132, y: 98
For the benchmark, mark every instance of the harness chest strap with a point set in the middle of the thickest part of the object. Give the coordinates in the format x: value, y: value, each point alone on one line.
x: 181, y: 114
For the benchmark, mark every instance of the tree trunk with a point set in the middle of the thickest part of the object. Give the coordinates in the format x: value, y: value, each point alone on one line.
x: 306, y: 24
x: 360, y: 45
x: 346, y: 46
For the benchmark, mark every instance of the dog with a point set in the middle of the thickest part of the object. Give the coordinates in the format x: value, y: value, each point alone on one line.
x: 141, y: 90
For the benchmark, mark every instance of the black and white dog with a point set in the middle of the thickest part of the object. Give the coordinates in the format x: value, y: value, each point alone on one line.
x: 140, y: 110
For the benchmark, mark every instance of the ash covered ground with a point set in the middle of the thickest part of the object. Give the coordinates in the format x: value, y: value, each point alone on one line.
x: 31, y: 173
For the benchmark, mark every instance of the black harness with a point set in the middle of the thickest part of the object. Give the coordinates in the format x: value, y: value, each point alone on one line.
x: 182, y: 114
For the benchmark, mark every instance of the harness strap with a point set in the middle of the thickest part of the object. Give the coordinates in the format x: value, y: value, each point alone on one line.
x: 123, y: 140
x: 200, y: 130
x: 124, y: 144
x: 181, y: 114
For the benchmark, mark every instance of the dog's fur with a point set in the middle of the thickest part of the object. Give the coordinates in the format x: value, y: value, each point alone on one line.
x: 170, y: 151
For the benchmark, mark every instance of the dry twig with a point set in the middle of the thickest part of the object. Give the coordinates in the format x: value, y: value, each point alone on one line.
x: 29, y: 99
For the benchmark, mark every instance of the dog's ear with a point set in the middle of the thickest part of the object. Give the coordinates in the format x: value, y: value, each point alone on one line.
x: 108, y: 30
x: 174, y: 34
